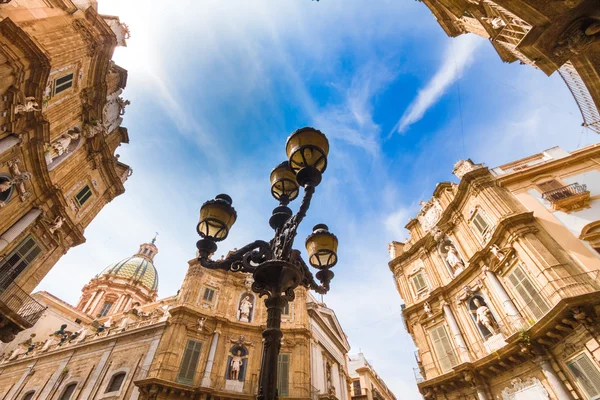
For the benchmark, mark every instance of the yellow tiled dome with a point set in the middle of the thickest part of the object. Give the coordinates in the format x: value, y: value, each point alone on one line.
x: 140, y: 269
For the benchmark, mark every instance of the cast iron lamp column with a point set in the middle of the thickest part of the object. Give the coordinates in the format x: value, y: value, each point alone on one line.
x: 277, y: 268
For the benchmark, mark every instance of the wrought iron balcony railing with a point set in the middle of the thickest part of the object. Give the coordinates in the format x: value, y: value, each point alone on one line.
x: 20, y: 306
x: 564, y: 192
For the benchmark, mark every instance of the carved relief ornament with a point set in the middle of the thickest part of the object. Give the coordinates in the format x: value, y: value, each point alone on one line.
x: 518, y: 385
x: 463, y: 167
x: 430, y: 214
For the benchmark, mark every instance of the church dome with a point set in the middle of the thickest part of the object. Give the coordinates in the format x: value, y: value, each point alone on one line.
x: 139, y: 267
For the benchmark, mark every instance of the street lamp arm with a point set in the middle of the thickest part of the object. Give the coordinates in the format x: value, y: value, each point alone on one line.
x: 309, y: 280
x: 245, y: 259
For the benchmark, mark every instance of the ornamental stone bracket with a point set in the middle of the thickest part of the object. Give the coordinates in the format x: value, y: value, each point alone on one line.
x: 241, y: 340
x: 577, y: 37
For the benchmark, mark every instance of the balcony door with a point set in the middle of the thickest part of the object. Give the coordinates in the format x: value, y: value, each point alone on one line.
x: 443, y: 348
x: 15, y: 262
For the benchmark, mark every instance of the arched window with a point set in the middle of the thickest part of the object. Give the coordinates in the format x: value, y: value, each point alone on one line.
x: 29, y: 395
x: 68, y: 392
x: 115, y: 382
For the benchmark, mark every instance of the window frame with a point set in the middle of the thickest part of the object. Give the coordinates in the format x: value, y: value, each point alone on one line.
x: 478, y: 212
x: 112, y: 380
x: 7, y: 277
x: 280, y: 380
x: 516, y: 295
x: 30, y: 393
x: 211, y: 298
x: 79, y: 202
x: 452, y: 345
x: 198, y: 346
x: 62, y: 86
x: 575, y: 378
x: 65, y: 388
x: 104, y: 311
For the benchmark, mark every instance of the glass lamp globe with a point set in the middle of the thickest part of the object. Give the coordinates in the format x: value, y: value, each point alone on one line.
x: 216, y: 218
x: 321, y: 246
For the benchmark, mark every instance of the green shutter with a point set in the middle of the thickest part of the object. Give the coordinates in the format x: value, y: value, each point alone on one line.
x: 283, y: 375
x: 587, y: 375
x: 443, y: 348
x: 532, y: 299
x: 189, y: 363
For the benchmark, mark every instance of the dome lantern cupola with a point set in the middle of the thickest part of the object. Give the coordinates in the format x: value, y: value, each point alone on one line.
x: 122, y: 284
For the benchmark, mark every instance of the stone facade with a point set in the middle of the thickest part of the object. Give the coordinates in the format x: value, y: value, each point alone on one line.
x: 552, y: 35
x: 366, y: 383
x: 205, y: 341
x: 501, y: 280
x: 60, y: 116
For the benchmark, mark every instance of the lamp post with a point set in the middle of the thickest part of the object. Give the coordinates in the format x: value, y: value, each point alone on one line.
x: 277, y: 268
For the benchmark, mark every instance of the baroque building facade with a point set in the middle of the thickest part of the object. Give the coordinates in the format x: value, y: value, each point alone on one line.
x: 552, y: 35
x: 120, y: 342
x: 60, y: 117
x: 501, y: 280
x: 366, y: 383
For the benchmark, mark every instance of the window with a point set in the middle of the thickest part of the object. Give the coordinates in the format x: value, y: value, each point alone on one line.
x: 105, y: 308
x: 77, y: 321
x: 356, y: 387
x: 479, y: 222
x: 286, y: 309
x: 63, y: 83
x: 547, y: 186
x: 189, y: 362
x: 419, y: 282
x: 283, y: 374
x: 586, y: 375
x: 115, y: 382
x: 529, y: 294
x: 209, y: 294
x: 83, y: 195
x: 68, y: 392
x: 443, y: 347
x: 14, y: 263
x: 28, y: 395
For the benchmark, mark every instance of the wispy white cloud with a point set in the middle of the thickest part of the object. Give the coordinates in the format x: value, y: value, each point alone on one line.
x: 457, y: 58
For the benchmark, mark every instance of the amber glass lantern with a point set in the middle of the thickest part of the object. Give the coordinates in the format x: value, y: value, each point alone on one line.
x: 284, y: 186
x: 307, y: 150
x: 321, y: 246
x: 216, y: 218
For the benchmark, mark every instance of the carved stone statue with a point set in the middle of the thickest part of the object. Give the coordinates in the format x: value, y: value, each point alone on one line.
x: 19, y: 178
x: 485, y: 317
x: 248, y: 283
x: 235, y: 365
x: 56, y: 224
x: 427, y: 309
x: 29, y: 106
x: 499, y: 254
x: 122, y: 104
x: 201, y: 322
x: 60, y: 146
x: 453, y: 258
x: 245, y: 309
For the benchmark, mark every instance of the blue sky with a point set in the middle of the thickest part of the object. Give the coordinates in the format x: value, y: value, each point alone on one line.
x: 216, y: 87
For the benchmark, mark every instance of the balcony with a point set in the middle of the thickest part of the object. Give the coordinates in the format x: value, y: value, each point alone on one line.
x: 18, y: 311
x: 361, y: 394
x: 545, y: 314
x: 568, y: 198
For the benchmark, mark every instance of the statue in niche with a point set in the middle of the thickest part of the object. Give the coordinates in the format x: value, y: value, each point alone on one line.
x: 56, y: 224
x: 235, y: 365
x: 453, y: 258
x: 499, y: 254
x: 201, y: 322
x: 29, y: 105
x: 245, y: 308
x: 483, y: 317
x: 61, y: 145
x: 427, y: 309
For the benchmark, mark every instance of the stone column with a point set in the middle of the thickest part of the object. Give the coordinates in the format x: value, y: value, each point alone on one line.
x: 481, y: 392
x: 92, y: 297
x: 119, y: 304
x: 557, y: 385
x: 95, y: 303
x: 463, y: 351
x: 211, y: 358
x: 496, y: 287
x: 19, y: 227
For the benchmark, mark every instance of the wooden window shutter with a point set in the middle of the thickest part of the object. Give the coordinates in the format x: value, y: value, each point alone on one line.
x: 549, y: 185
x: 529, y: 294
x: 283, y: 374
x: 587, y: 375
x: 443, y: 347
x: 189, y: 362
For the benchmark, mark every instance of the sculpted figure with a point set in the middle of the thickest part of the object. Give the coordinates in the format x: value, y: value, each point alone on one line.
x: 56, y: 224
x: 245, y: 308
x: 453, y: 258
x: 60, y: 146
x: 485, y: 317
x: 29, y: 106
x: 235, y: 365
x: 201, y: 322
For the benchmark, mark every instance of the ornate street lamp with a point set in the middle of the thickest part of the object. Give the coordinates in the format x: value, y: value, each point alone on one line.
x: 276, y: 267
